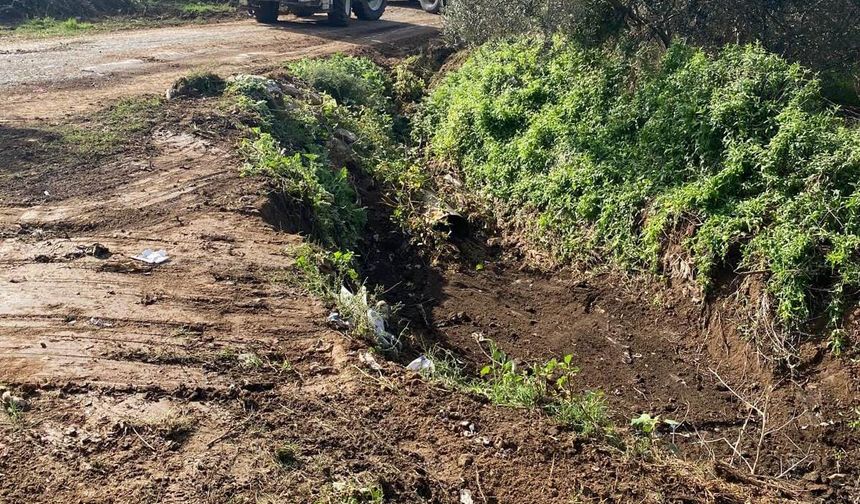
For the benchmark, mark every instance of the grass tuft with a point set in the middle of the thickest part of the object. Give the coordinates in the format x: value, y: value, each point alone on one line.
x: 549, y: 387
x: 51, y: 26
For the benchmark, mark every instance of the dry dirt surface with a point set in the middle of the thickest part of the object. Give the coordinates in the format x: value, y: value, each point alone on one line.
x: 213, y: 377
x: 53, y: 77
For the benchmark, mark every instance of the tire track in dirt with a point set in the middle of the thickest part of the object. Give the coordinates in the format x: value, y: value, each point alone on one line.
x: 67, y: 315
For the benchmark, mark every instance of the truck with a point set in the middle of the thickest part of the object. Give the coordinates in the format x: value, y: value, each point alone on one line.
x: 338, y: 11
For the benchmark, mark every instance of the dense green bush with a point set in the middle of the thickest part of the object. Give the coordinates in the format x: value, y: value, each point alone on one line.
x: 363, y: 103
x: 348, y: 79
x: 292, y: 139
x: 323, y: 193
x: 737, y: 155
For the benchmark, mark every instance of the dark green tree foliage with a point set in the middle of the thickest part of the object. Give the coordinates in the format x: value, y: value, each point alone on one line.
x: 17, y: 10
x: 821, y: 34
x: 736, y: 155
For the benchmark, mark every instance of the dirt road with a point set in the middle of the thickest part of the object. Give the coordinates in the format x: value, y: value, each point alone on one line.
x: 77, y: 74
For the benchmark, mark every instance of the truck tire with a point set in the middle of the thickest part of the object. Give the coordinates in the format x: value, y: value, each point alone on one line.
x: 340, y: 11
x: 432, y: 6
x: 267, y: 11
x: 369, y: 10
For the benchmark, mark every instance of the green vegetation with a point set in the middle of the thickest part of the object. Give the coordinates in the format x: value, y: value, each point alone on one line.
x: 51, y: 26
x: 304, y: 144
x: 821, y: 34
x: 409, y: 80
x: 324, y: 196
x: 352, y: 81
x: 42, y: 18
x: 737, y: 157
x: 855, y: 423
x: 645, y: 423
x: 250, y: 360
x: 206, y: 8
x: 113, y: 129
x: 549, y: 387
x: 14, y: 411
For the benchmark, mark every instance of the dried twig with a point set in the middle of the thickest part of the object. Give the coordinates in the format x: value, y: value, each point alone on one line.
x: 142, y: 440
x: 478, y: 481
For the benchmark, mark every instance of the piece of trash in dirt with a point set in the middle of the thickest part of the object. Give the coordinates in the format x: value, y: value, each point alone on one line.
x: 335, y: 321
x: 422, y: 363
x: 385, y: 338
x: 98, y: 251
x: 99, y: 322
x: 375, y: 316
x: 627, y: 356
x: 466, y: 497
x: 150, y: 256
x: 367, y: 359
x: 468, y: 428
x: 47, y: 194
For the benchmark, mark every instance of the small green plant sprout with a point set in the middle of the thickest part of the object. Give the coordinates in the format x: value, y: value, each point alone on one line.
x: 479, y: 266
x: 286, y: 455
x: 645, y: 423
x: 561, y: 374
x: 13, y: 406
x: 507, y: 385
x: 548, y: 387
x: 855, y: 424
x: 286, y: 366
x: 837, y: 342
x: 14, y: 411
x: 250, y: 360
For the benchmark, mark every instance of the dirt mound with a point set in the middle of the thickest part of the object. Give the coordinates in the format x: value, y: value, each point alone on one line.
x: 212, y: 377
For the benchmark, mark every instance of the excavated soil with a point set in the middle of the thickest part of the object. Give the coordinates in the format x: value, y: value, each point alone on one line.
x: 168, y: 383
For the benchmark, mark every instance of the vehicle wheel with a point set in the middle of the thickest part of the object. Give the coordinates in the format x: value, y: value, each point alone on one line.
x: 432, y: 6
x: 303, y: 12
x: 267, y: 12
x: 369, y: 10
x: 340, y: 11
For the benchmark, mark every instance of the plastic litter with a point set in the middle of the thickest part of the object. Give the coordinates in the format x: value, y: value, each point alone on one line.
x: 385, y: 338
x: 99, y: 322
x: 421, y: 364
x: 150, y: 256
x: 376, y: 321
x: 466, y: 497
x: 375, y: 316
x: 335, y: 321
x: 367, y: 359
